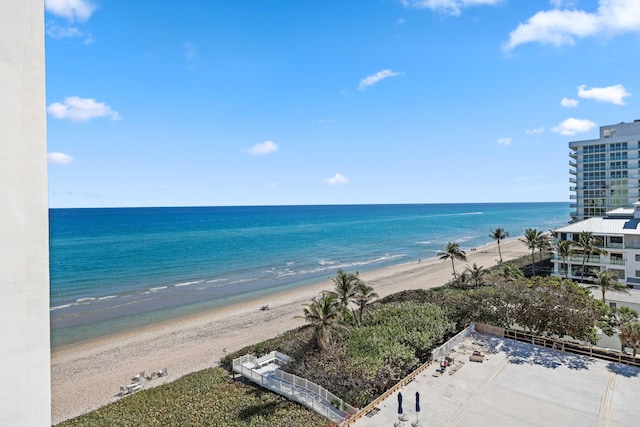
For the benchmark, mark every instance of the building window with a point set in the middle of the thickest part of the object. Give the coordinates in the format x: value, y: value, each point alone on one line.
x: 618, y: 273
x: 637, y: 259
x: 618, y: 146
x: 618, y: 165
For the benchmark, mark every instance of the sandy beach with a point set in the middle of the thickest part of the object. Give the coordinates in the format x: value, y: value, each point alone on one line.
x: 88, y: 375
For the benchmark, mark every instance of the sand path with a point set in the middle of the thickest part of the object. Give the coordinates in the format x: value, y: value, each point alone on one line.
x: 88, y: 375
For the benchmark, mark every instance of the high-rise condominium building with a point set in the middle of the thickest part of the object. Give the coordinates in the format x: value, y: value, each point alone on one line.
x: 606, y: 171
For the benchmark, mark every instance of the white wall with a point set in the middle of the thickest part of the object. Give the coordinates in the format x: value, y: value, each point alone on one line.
x: 25, y: 390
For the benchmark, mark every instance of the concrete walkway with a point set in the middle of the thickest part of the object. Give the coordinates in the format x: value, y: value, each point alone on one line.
x: 517, y: 384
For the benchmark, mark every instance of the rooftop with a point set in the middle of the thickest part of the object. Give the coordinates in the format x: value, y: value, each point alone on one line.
x: 516, y: 384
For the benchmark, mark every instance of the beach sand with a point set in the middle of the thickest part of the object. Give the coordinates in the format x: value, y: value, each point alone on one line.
x: 88, y: 375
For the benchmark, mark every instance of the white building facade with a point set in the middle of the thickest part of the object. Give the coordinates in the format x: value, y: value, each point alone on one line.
x: 606, y: 171
x: 25, y: 381
x: 619, y: 233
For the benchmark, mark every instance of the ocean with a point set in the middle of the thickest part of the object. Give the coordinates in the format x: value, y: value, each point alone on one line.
x: 115, y: 269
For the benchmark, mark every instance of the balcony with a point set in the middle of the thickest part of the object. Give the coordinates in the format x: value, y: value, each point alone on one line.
x: 573, y: 205
x: 572, y: 196
x: 573, y: 180
x: 573, y: 188
x: 573, y: 164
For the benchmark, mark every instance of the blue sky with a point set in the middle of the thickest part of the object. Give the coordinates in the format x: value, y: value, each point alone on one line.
x: 276, y: 102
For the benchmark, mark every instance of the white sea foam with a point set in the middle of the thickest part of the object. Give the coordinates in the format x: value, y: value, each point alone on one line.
x: 85, y: 300
x: 178, y: 285
x: 157, y: 288
x: 428, y: 242
x: 108, y: 297
x: 61, y: 306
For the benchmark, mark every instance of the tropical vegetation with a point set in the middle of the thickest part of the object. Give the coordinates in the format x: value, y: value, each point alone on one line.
x: 499, y: 234
x: 532, y: 238
x: 205, y: 398
x: 607, y: 281
x: 453, y: 252
x: 589, y: 245
x: 358, y: 345
x: 630, y: 335
x: 564, y: 248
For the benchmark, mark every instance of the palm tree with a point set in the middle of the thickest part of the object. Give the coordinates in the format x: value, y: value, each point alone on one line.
x: 510, y: 272
x: 588, y: 244
x: 630, y: 336
x: 499, y: 234
x: 606, y: 281
x: 452, y: 251
x: 565, y: 250
x: 363, y: 297
x: 324, y: 315
x: 346, y: 287
x: 532, y: 240
x: 476, y: 274
x: 461, y: 280
x: 544, y: 244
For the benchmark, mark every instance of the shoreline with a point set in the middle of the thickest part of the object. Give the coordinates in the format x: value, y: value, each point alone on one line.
x: 88, y: 374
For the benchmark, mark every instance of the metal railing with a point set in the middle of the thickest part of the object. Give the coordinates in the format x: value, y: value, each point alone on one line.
x: 446, y: 348
x: 307, y: 393
x: 293, y: 387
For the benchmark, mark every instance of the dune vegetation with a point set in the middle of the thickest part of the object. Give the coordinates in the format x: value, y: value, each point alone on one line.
x: 358, y: 346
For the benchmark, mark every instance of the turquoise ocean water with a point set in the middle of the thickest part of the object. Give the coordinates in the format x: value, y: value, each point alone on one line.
x: 116, y: 269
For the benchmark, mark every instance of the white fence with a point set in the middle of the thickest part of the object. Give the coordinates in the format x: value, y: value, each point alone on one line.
x: 296, y: 388
x: 445, y: 348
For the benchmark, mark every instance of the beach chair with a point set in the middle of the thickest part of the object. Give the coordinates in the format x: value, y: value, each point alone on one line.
x: 134, y: 387
x: 138, y: 378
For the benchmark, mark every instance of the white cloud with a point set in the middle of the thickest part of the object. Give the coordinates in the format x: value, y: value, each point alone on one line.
x: 613, y: 94
x: 569, y: 103
x: 375, y: 78
x: 79, y: 109
x: 452, y: 7
x: 325, y: 121
x: 73, y: 10
x: 56, y: 158
x: 264, y: 148
x: 535, y: 131
x: 337, y: 179
x: 571, y: 126
x: 505, y: 141
x: 57, y: 32
x: 562, y: 27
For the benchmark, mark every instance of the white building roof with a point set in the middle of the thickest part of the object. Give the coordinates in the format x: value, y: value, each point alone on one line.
x: 604, y: 226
